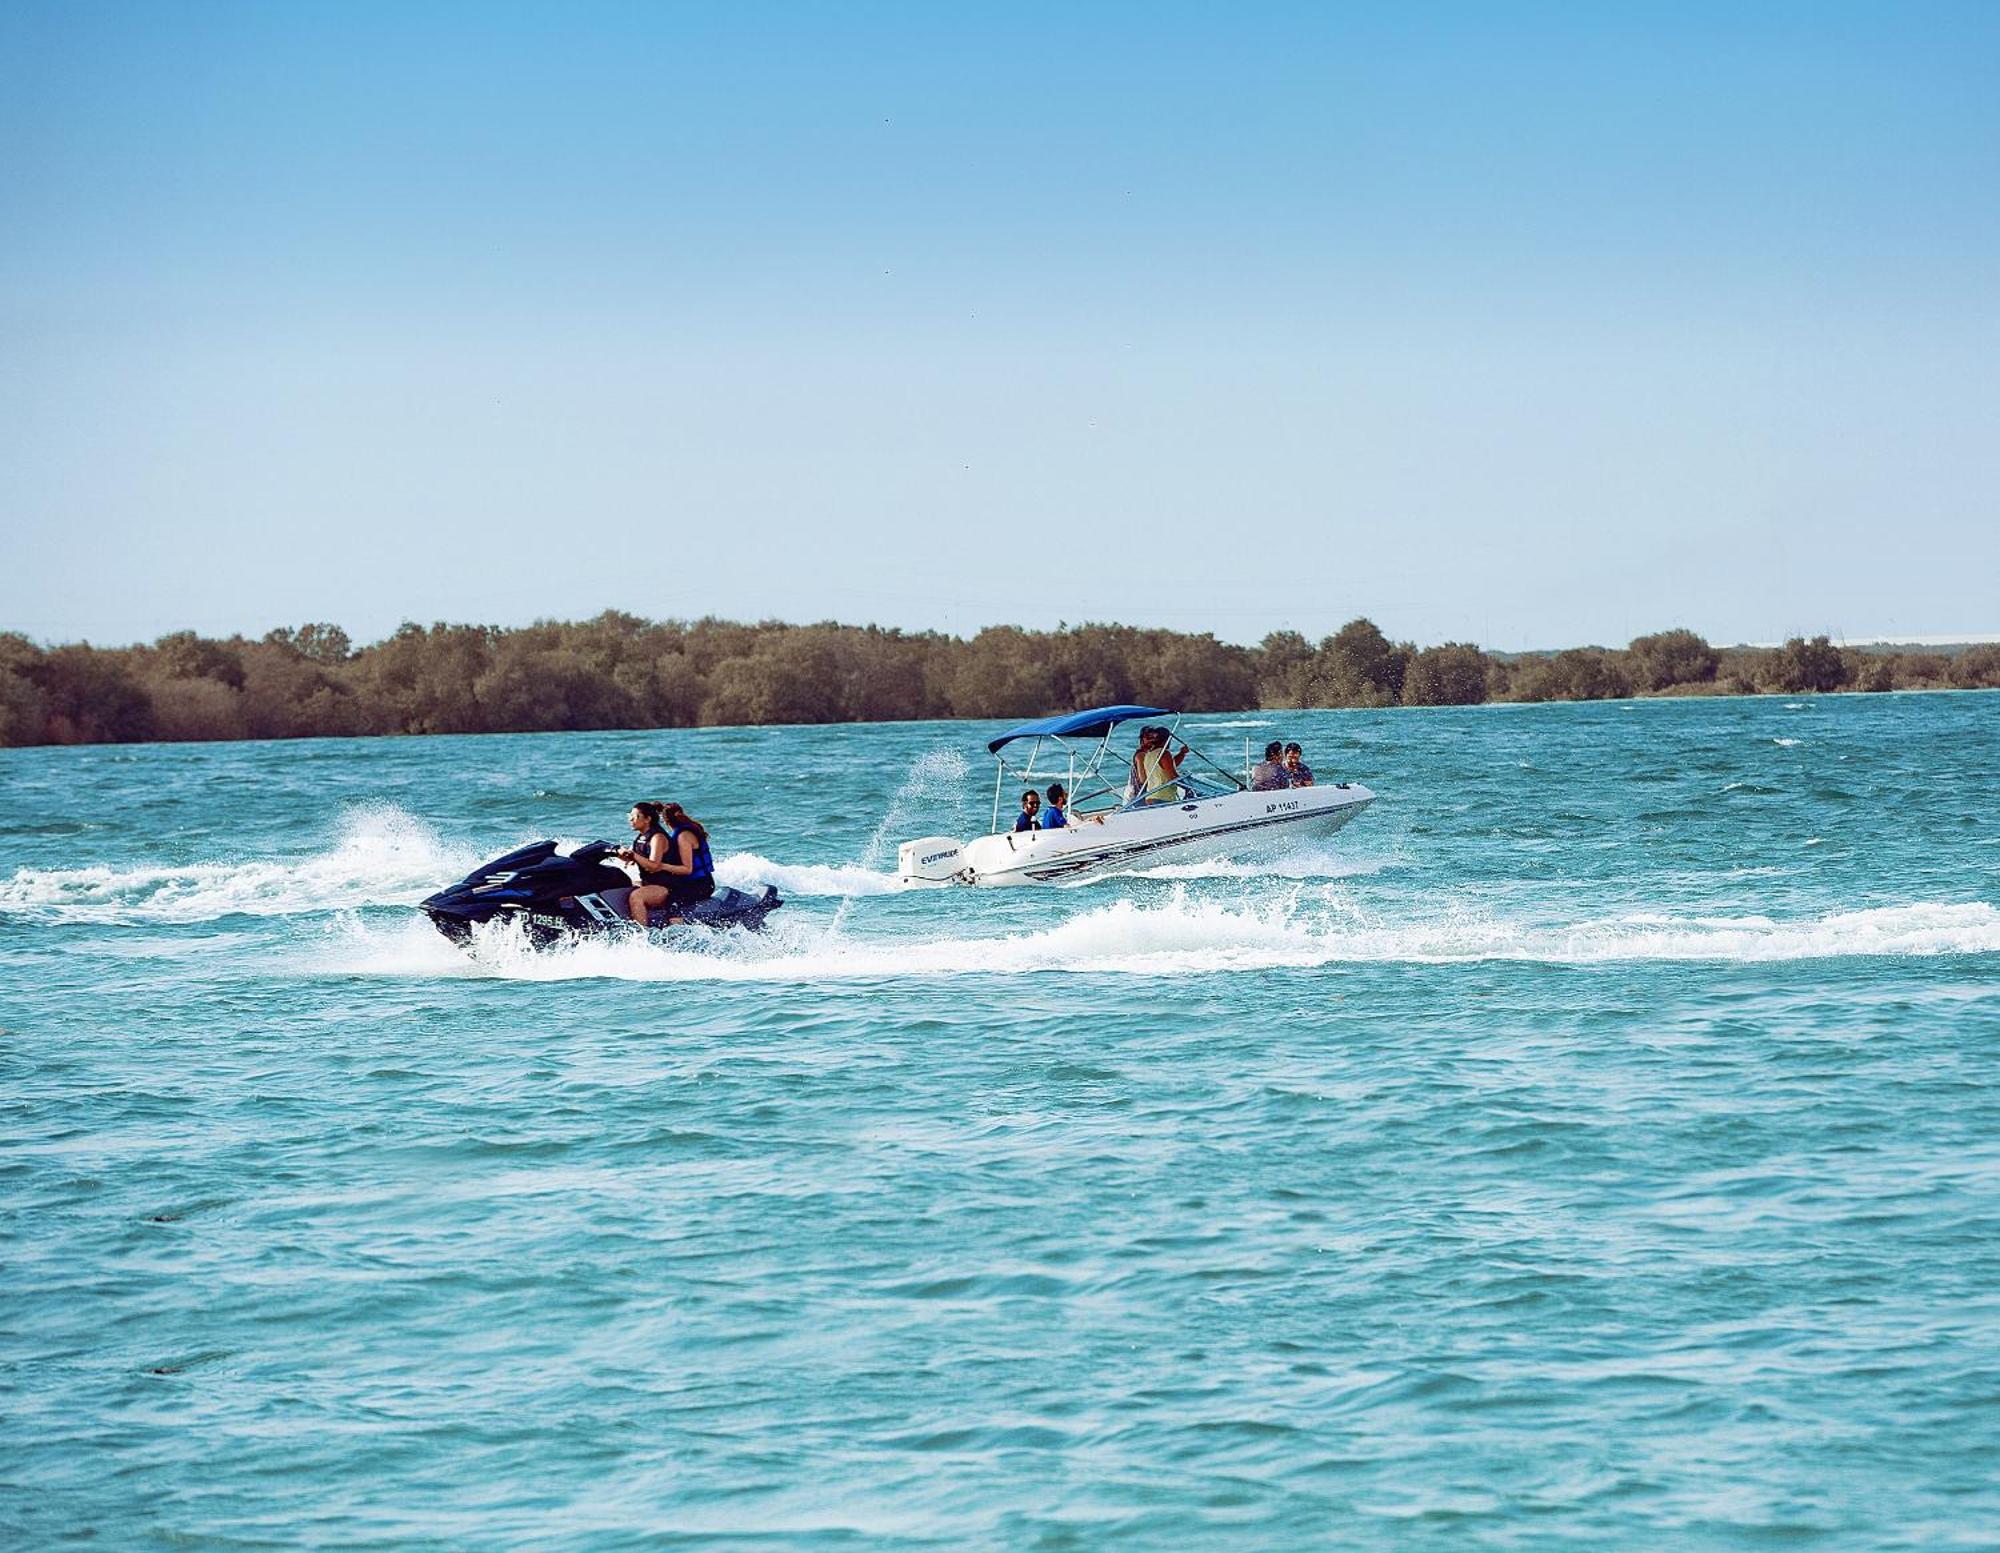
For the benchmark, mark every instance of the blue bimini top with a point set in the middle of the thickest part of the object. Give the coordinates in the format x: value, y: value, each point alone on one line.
x: 1098, y: 720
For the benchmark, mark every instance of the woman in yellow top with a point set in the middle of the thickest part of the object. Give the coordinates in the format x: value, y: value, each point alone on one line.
x: 1155, y: 770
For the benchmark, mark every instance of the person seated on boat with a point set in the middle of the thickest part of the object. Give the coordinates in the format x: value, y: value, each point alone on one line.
x: 672, y: 856
x: 1297, y: 772
x: 1268, y: 775
x: 1031, y: 803
x: 1154, y: 768
x: 1055, y: 814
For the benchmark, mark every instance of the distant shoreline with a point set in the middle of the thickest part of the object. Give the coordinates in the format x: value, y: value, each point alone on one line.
x: 619, y: 672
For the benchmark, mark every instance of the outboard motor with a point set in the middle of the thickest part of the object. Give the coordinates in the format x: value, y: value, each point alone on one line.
x: 929, y: 860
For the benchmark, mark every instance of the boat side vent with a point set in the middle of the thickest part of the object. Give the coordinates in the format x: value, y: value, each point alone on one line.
x: 598, y: 909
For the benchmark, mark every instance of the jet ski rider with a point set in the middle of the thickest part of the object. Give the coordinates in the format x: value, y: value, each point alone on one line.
x: 672, y: 847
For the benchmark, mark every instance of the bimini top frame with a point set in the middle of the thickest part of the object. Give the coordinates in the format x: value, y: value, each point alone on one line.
x: 1083, y: 761
x: 1097, y: 722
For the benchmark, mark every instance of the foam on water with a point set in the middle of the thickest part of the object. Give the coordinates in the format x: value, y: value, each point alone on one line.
x: 381, y: 857
x: 385, y: 857
x: 1320, y: 862
x: 746, y: 870
x: 1181, y: 936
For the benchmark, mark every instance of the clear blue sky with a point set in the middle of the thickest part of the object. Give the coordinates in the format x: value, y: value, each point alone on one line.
x: 1533, y: 324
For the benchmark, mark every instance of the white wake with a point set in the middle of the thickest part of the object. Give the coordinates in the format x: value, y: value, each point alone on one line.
x: 1179, y: 937
x: 380, y: 857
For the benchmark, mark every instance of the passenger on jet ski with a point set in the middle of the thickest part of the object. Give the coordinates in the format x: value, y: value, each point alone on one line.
x: 672, y: 856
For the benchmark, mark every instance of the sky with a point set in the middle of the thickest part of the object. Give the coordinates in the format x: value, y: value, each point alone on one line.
x: 1525, y: 324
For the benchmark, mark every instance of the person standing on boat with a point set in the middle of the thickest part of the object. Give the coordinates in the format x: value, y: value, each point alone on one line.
x: 1297, y: 772
x: 1056, y: 815
x: 1154, y: 768
x: 1269, y: 774
x: 1031, y: 801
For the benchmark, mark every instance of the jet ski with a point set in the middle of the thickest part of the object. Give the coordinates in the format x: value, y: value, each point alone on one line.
x: 555, y: 898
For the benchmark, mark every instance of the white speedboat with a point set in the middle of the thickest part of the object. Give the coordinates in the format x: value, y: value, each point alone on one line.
x: 1202, y: 812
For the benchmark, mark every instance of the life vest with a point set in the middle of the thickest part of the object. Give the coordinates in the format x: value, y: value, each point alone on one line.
x: 702, y: 866
x: 643, y: 846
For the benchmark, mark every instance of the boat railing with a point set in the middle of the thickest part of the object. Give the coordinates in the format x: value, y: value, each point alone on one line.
x: 1086, y: 800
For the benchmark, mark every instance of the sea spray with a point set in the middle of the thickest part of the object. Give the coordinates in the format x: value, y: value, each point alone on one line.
x: 935, y: 774
x: 381, y: 856
x: 1182, y: 935
x: 751, y: 871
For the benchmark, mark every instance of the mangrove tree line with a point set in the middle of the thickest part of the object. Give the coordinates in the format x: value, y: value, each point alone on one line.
x: 620, y: 671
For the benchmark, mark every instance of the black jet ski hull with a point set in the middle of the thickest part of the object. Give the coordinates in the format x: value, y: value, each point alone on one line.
x: 554, y: 899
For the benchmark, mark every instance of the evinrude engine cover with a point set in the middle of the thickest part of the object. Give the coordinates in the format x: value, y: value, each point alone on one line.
x: 929, y: 860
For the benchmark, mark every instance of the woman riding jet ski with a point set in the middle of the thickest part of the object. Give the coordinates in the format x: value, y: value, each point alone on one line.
x: 671, y: 854
x: 554, y: 897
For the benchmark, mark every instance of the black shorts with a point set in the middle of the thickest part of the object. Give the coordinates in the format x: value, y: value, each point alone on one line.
x: 685, y: 892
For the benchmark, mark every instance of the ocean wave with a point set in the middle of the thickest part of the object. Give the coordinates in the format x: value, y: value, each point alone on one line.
x: 382, y: 857
x: 1180, y: 937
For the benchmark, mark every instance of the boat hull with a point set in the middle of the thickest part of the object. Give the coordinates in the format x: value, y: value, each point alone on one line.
x: 1237, y: 825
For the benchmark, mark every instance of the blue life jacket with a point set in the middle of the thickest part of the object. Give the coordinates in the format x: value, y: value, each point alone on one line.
x: 703, y: 866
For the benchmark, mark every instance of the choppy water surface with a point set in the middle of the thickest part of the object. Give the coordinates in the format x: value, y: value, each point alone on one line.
x: 1596, y: 1145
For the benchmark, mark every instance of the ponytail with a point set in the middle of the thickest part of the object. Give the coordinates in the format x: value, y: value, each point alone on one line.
x: 677, y: 818
x: 650, y: 809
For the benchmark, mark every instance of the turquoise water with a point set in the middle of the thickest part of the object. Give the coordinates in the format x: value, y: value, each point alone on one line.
x: 1596, y: 1145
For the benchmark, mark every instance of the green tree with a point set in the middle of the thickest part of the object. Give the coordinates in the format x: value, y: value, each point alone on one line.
x: 1359, y: 666
x: 287, y: 696
x: 1451, y: 675
x: 316, y: 640
x: 1669, y: 658
x: 533, y: 685
x: 91, y: 697
x: 1977, y: 668
x: 183, y: 655
x: 1004, y: 672
x: 793, y: 677
x: 1574, y: 674
x: 191, y: 710
x: 24, y: 709
x: 1284, y: 663
x: 421, y: 681
x: 1815, y: 666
